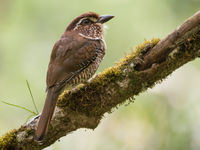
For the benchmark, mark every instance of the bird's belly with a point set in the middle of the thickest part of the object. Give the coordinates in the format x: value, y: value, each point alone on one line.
x: 87, y: 73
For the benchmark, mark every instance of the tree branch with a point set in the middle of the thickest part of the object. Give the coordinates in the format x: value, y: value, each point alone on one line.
x: 84, y: 106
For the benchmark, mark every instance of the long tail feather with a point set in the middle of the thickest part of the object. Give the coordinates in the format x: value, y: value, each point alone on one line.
x: 47, y: 114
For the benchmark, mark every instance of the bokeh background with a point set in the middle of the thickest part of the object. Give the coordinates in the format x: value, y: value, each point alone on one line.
x: 163, y: 118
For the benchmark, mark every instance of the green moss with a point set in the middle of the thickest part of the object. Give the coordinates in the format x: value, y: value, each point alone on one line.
x: 117, y: 71
x: 8, y: 141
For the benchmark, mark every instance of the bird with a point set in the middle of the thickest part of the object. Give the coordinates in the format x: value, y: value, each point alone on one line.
x: 74, y: 59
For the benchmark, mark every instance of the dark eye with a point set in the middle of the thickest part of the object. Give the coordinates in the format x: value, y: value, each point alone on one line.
x: 85, y: 22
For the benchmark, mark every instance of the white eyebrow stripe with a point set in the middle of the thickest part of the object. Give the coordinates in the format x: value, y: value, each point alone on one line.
x: 81, y: 21
x: 90, y: 18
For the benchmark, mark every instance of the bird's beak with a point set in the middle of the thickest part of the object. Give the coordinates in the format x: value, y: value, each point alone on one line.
x: 105, y: 18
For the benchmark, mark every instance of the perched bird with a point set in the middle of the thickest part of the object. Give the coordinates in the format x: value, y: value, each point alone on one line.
x: 74, y: 59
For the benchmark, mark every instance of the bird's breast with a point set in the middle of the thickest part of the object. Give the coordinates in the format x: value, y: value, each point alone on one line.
x: 89, y: 71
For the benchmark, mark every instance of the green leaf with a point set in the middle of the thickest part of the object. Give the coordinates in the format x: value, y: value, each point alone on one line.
x: 21, y: 107
x: 31, y: 96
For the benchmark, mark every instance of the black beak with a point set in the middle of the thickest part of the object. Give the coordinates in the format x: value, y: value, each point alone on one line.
x: 105, y: 18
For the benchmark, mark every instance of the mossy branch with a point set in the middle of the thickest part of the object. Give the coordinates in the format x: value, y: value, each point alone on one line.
x: 84, y: 106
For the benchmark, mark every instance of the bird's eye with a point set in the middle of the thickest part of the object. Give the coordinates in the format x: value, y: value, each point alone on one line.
x: 85, y: 22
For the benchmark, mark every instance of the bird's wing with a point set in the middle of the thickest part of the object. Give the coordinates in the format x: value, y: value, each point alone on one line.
x: 69, y: 57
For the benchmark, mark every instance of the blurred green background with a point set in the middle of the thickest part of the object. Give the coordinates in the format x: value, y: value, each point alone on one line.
x: 164, y: 118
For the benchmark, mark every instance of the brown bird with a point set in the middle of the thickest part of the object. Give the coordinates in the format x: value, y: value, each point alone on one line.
x: 74, y: 59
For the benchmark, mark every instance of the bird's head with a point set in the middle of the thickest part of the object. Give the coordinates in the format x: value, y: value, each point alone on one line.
x: 89, y: 25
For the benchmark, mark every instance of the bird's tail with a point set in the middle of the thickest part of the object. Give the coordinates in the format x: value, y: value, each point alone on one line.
x: 47, y: 114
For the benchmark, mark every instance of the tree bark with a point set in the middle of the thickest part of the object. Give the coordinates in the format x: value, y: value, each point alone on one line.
x: 84, y: 106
